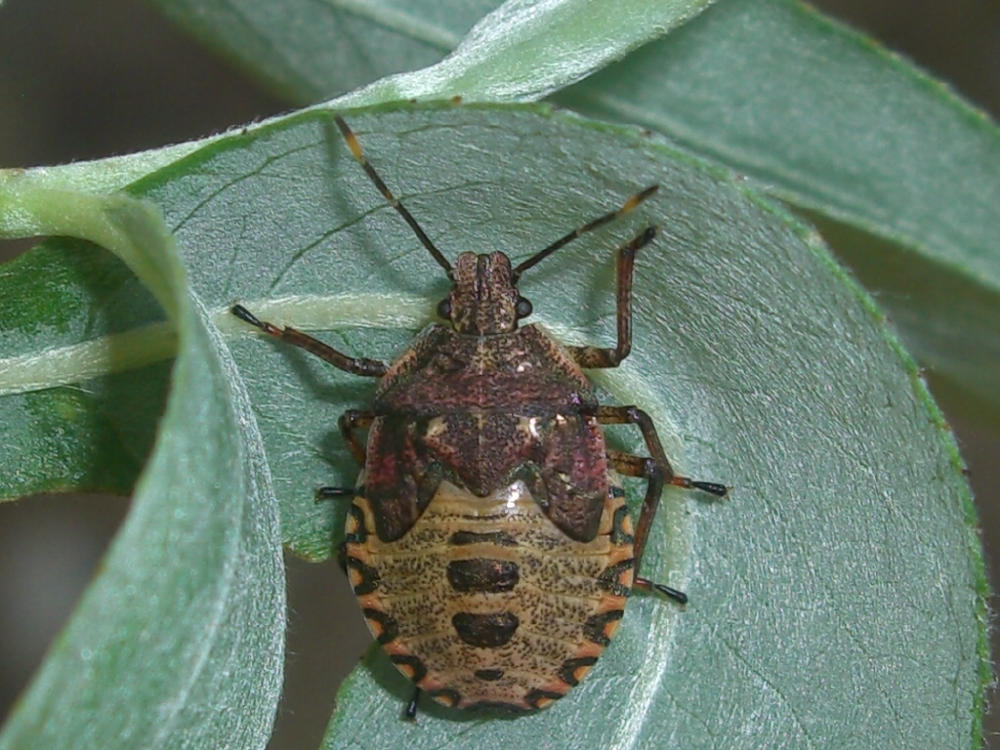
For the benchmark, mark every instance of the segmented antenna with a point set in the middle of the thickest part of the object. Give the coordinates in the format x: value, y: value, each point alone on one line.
x: 541, y: 255
x: 355, y: 146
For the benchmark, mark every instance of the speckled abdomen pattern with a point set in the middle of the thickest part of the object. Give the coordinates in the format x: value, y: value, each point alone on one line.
x: 484, y: 601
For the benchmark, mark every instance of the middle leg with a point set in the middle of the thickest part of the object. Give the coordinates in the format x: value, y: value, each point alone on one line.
x: 350, y: 422
x: 657, y: 471
x: 638, y: 466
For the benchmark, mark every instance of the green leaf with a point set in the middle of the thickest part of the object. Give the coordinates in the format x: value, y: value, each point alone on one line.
x: 522, y: 50
x: 828, y: 120
x: 178, y: 641
x: 847, y: 549
x: 308, y: 51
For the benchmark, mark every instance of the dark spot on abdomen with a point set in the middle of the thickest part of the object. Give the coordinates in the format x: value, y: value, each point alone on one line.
x: 382, y: 624
x: 487, y: 631
x: 475, y: 537
x: 489, y: 675
x: 366, y: 578
x: 573, y: 670
x: 482, y: 575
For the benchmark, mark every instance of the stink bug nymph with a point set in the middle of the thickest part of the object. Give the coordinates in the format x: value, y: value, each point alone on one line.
x: 488, y: 541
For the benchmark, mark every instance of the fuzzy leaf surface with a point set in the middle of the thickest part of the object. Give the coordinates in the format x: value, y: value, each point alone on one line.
x: 522, y: 50
x: 308, y: 51
x: 519, y: 49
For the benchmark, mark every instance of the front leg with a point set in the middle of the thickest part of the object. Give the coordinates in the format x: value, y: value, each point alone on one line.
x: 594, y: 356
x: 354, y: 365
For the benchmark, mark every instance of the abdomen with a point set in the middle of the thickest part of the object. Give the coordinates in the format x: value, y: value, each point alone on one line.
x: 484, y: 601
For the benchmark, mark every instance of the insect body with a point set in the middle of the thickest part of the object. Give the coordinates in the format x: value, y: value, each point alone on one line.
x: 488, y: 540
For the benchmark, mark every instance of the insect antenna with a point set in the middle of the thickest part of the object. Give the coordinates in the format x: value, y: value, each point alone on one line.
x: 355, y: 146
x: 627, y: 206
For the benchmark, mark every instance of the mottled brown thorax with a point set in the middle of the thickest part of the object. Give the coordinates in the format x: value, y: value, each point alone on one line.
x: 523, y: 371
x: 483, y: 412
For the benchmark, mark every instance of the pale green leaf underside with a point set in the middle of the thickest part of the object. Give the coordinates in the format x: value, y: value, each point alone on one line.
x: 836, y: 595
x: 178, y: 641
x: 525, y: 50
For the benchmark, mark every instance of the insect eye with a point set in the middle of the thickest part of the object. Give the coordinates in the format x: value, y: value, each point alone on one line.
x: 523, y: 308
x: 444, y: 308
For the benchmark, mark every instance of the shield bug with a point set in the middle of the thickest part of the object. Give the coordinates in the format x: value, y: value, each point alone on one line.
x: 488, y: 540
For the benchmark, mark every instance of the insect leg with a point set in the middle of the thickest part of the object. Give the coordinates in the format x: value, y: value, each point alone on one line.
x: 638, y: 466
x: 411, y: 707
x: 351, y: 421
x: 333, y: 493
x: 354, y: 365
x: 656, y: 470
x: 595, y: 356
